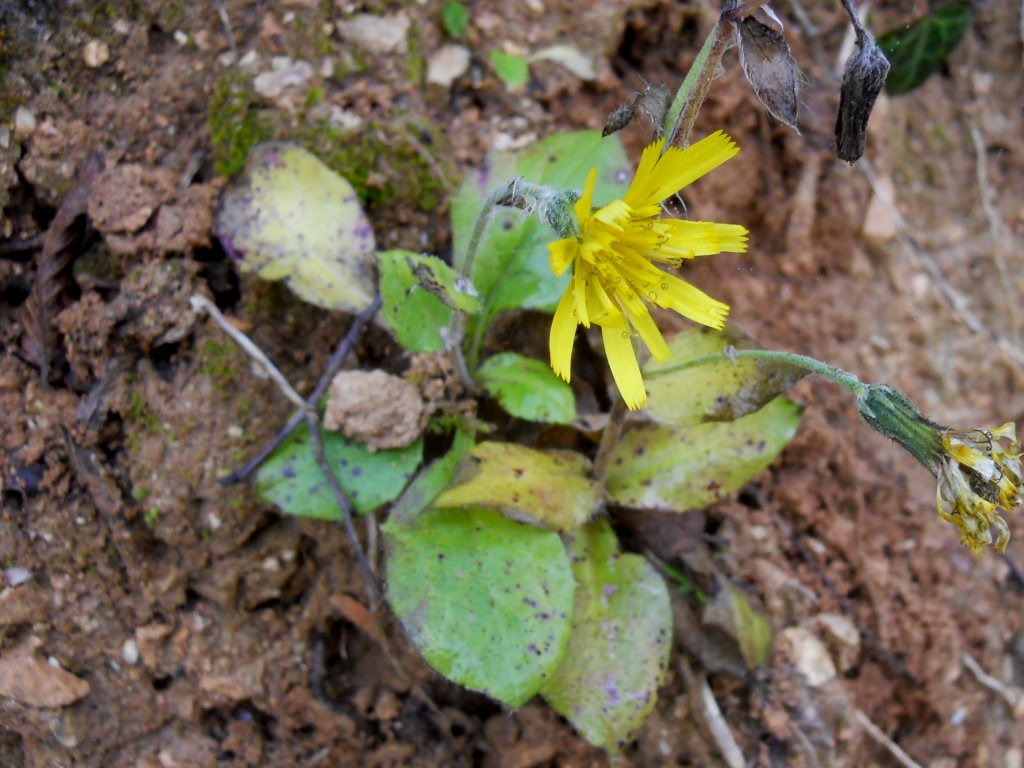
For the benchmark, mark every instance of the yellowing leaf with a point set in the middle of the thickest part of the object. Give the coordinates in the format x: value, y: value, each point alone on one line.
x: 289, y: 217
x: 621, y: 636
x: 718, y: 391
x: 551, y: 489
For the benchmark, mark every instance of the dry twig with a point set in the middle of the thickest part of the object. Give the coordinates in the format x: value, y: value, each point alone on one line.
x: 707, y: 705
x: 876, y: 733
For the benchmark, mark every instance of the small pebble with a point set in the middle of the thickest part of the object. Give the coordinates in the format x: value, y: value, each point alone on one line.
x: 130, y: 652
x: 24, y: 123
x: 448, y: 64
x: 96, y: 53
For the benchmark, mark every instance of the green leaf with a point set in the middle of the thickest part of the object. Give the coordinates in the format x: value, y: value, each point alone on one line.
x: 512, y: 268
x: 547, y: 488
x: 289, y: 217
x: 488, y: 601
x: 732, y: 612
x: 527, y: 388
x: 513, y: 70
x: 718, y: 391
x: 917, y: 50
x: 292, y: 480
x: 662, y: 468
x: 455, y: 18
x: 621, y: 637
x: 419, y: 294
x: 430, y: 482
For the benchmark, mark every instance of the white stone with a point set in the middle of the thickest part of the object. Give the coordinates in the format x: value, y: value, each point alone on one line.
x: 24, y: 123
x: 285, y: 74
x: 449, y: 63
x: 344, y: 119
x: 130, y: 652
x: 810, y: 656
x: 96, y: 53
x: 879, y: 226
x: 377, y: 34
x: 181, y: 38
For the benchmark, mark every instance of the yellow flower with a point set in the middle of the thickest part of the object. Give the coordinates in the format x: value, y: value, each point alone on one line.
x: 978, y: 476
x: 613, y: 259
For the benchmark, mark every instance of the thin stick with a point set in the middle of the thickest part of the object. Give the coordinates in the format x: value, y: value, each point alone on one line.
x: 317, y: 441
x: 223, y: 13
x: 876, y: 733
x: 243, y: 473
x: 334, y: 364
x: 1013, y: 696
x: 998, y: 231
x: 713, y: 717
x: 201, y: 303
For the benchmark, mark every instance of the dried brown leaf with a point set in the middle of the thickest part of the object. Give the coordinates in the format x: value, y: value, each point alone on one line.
x: 53, y: 268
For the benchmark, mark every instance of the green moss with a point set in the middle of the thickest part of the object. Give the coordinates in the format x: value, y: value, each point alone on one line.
x: 234, y: 122
x: 150, y: 517
x: 409, y: 180
x: 139, y: 492
x: 219, y: 360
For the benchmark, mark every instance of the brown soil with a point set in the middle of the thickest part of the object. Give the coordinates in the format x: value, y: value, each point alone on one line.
x: 187, y: 624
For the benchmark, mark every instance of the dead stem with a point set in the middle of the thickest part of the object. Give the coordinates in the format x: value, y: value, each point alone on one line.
x: 876, y: 733
x: 334, y: 364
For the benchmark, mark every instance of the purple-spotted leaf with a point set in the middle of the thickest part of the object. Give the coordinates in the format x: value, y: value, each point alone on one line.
x: 292, y: 479
x: 608, y: 680
x: 663, y: 468
x: 488, y: 601
x: 719, y: 391
x: 289, y: 217
x: 552, y: 489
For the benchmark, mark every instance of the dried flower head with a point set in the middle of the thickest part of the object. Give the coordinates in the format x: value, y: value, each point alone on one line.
x: 613, y: 252
x: 980, y: 474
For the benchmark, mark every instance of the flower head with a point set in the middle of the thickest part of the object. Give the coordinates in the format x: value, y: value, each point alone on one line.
x: 613, y: 253
x: 978, y: 476
x: 978, y: 470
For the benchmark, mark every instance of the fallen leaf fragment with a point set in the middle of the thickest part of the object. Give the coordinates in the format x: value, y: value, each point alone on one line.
x: 28, y: 679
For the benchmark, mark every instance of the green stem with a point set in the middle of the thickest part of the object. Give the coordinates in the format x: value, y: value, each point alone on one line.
x: 691, y: 94
x: 830, y: 372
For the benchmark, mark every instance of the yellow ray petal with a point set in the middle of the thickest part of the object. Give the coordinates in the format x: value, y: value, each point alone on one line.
x: 561, y: 253
x: 586, y: 202
x: 563, y: 333
x: 679, y: 167
x: 618, y: 346
x: 641, y: 319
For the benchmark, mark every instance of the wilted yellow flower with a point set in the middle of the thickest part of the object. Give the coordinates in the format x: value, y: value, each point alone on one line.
x: 978, y: 470
x: 978, y: 476
x: 613, y: 257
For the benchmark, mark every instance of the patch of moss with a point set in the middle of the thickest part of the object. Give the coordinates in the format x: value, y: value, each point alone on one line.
x: 408, y: 178
x: 139, y: 492
x: 234, y: 122
x: 219, y: 360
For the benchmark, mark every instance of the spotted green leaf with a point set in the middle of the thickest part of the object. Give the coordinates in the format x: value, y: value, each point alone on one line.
x: 527, y: 388
x: 419, y: 294
x: 621, y: 637
x: 430, y: 482
x: 289, y: 217
x: 663, y: 468
x: 292, y: 479
x: 546, y: 488
x: 725, y: 390
x: 488, y: 601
